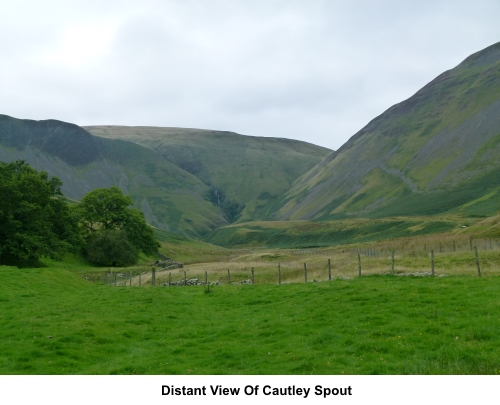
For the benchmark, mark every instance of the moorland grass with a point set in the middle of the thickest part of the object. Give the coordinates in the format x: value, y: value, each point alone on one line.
x: 303, y: 234
x: 54, y: 322
x: 343, y: 263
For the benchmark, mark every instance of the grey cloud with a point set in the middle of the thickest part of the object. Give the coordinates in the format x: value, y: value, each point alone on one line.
x: 316, y: 70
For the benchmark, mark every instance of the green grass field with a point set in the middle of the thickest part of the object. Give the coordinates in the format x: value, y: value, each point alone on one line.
x: 59, y: 319
x: 54, y: 322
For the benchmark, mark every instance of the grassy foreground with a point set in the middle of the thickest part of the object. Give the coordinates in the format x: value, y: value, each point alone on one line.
x: 54, y: 322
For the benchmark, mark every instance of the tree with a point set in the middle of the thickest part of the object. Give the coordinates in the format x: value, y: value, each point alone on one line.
x: 111, y: 247
x: 103, y: 208
x: 108, y: 209
x: 140, y: 234
x: 35, y: 220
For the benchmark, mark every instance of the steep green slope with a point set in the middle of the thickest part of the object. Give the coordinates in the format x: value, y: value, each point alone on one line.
x: 250, y: 171
x: 435, y: 152
x: 171, y: 198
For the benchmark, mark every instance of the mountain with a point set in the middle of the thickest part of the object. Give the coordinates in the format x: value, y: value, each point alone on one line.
x: 185, y: 181
x: 246, y: 171
x: 436, y: 152
x: 171, y: 198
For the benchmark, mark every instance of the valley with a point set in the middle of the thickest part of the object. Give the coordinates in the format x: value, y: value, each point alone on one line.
x: 382, y: 257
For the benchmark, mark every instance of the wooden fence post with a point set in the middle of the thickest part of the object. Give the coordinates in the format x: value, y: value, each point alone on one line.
x: 153, y: 276
x: 470, y: 242
x: 228, y: 277
x: 359, y: 265
x: 329, y: 270
x: 477, y: 262
x: 432, y: 262
x: 392, y: 262
x: 305, y: 273
x: 206, y: 277
x: 185, y: 281
x: 279, y: 274
x: 253, y: 277
x: 169, y: 278
x: 130, y: 278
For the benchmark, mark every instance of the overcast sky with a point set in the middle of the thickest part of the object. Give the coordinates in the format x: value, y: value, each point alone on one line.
x: 312, y: 70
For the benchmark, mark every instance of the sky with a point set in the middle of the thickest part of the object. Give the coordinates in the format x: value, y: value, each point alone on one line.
x: 313, y: 70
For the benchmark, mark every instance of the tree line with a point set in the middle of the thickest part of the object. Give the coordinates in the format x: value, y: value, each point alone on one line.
x: 37, y: 221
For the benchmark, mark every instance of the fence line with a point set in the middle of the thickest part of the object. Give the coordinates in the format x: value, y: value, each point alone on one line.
x: 319, y: 269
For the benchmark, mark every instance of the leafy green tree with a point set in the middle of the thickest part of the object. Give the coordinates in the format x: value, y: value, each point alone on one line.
x: 103, y: 208
x: 35, y: 220
x: 108, y: 209
x: 111, y: 247
x: 140, y: 234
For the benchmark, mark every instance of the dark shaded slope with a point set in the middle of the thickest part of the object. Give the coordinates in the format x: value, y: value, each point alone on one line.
x: 68, y: 142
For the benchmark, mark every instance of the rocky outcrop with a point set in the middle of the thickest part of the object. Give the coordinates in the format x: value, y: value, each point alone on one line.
x: 188, y: 282
x: 168, y: 264
x: 197, y: 281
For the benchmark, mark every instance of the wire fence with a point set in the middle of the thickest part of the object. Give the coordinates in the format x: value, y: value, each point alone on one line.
x: 479, y: 257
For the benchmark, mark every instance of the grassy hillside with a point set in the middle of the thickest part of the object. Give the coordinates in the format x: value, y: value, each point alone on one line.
x: 250, y: 171
x: 54, y: 322
x: 188, y: 251
x: 433, y: 153
x: 303, y: 234
x: 171, y: 198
